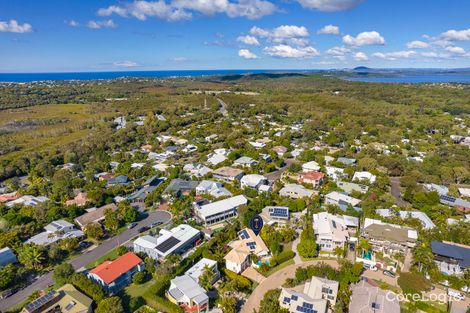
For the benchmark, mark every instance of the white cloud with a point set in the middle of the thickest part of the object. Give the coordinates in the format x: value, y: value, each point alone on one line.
x: 180, y: 59
x: 329, y: 30
x: 247, y: 54
x: 453, y: 34
x: 395, y: 55
x: 364, y: 38
x: 283, y: 31
x: 286, y: 51
x: 72, y: 23
x: 338, y: 51
x: 12, y: 26
x: 125, y: 64
x: 330, y: 5
x: 183, y: 9
x: 456, y: 50
x: 101, y: 24
x: 360, y: 56
x: 248, y: 40
x: 340, y: 57
x: 417, y: 44
x: 435, y: 55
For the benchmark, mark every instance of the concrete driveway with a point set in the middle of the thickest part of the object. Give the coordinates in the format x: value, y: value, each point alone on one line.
x: 275, y: 281
x: 86, y: 257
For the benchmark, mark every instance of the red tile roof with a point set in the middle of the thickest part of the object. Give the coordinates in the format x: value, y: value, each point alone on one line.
x: 312, y: 175
x: 109, y: 271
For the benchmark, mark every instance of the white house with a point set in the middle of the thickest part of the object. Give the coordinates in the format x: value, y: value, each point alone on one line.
x: 333, y: 231
x: 197, y: 170
x: 335, y: 173
x: 342, y: 200
x: 27, y: 201
x: 364, y: 176
x: 55, y: 231
x: 311, y: 166
x: 253, y: 181
x: 215, y: 189
x: 188, y: 294
x: 198, y: 269
x: 245, y: 161
x: 219, y: 211
x: 296, y: 191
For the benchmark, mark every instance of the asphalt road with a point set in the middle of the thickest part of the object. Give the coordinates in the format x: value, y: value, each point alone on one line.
x: 395, y: 190
x: 86, y: 257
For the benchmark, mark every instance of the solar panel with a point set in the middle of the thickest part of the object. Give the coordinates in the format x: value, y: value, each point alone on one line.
x: 286, y: 300
x: 167, y: 244
x: 40, y: 301
x: 294, y: 297
x: 243, y: 234
x: 448, y: 198
x: 280, y: 212
x: 251, y: 245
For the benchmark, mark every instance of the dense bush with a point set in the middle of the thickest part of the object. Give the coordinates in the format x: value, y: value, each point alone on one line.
x: 412, y: 283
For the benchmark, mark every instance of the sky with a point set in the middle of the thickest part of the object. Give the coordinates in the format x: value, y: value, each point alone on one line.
x: 135, y: 35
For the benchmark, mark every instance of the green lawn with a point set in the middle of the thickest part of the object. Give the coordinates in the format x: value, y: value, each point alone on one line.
x: 138, y: 290
x: 280, y: 267
x: 111, y: 255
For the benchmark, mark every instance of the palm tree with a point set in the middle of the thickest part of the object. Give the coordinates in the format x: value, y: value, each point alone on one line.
x: 31, y: 256
x: 339, y: 251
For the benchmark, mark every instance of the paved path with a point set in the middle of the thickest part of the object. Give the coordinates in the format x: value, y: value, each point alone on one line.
x: 395, y: 190
x: 223, y: 107
x: 82, y: 260
x: 275, y: 281
x: 295, y: 243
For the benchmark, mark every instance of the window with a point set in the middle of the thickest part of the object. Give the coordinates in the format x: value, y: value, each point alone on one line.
x: 375, y: 306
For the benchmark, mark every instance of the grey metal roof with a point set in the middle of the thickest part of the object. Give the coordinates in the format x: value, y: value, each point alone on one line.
x: 457, y: 252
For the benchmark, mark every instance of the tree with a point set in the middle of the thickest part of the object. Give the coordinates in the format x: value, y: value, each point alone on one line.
x: 139, y: 277
x: 129, y: 214
x: 32, y: 256
x: 270, y: 302
x: 339, y: 251
x: 82, y: 283
x: 111, y: 220
x: 110, y: 305
x: 62, y: 274
x: 206, y: 278
x: 94, y: 231
x: 228, y: 304
x: 307, y: 246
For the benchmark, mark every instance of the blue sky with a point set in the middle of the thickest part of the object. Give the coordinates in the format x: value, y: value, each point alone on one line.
x: 87, y: 35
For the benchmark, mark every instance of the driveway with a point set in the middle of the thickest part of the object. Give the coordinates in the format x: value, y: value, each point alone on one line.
x: 86, y: 257
x: 295, y: 243
x: 276, y: 175
x: 395, y: 190
x: 275, y: 281
x: 379, y: 275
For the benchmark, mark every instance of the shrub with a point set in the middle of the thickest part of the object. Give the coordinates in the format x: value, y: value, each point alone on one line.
x: 412, y: 283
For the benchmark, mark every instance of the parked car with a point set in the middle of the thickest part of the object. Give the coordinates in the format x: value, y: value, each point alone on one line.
x: 142, y: 229
x: 455, y: 294
x: 389, y: 273
x: 155, y: 224
x: 370, y: 267
x: 131, y: 225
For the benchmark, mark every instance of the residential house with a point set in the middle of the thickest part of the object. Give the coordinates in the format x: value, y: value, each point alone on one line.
x: 367, y: 297
x: 245, y: 161
x: 248, y: 243
x: 177, y: 240
x: 55, y: 231
x: 334, y: 173
x: 65, y: 299
x: 179, y: 187
x: 342, y: 200
x: 228, y: 174
x: 275, y: 215
x: 188, y: 294
x: 280, y: 150
x: 219, y: 211
x: 459, y: 203
x: 296, y: 302
x: 7, y: 257
x: 322, y: 288
x: 296, y: 191
x: 196, y: 271
x: 333, y: 231
x: 119, y: 180
x: 197, y: 170
x: 314, y: 178
x: 79, y: 200
x: 94, y: 215
x: 346, y: 161
x: 464, y: 192
x: 145, y: 189
x: 253, y: 181
x: 421, y: 216
x: 350, y: 187
x: 257, y: 144
x: 215, y: 189
x: 6, y: 197
x: 451, y: 258
x: 364, y: 176
x: 27, y: 201
x: 115, y: 275
x: 311, y: 166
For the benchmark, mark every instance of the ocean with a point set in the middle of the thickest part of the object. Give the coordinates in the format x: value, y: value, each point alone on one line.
x: 416, y: 78
x: 31, y: 77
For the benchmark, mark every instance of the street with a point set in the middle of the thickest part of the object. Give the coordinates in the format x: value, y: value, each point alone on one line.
x: 85, y: 258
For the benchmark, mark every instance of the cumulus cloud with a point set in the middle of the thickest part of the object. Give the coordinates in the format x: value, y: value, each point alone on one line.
x: 329, y: 30
x: 417, y: 44
x: 456, y: 35
x: 395, y: 55
x: 329, y: 5
x: 72, y: 23
x: 364, y: 39
x: 12, y: 26
x: 283, y: 31
x: 286, y: 51
x: 177, y: 10
x: 101, y: 24
x: 248, y: 40
x: 247, y: 54
x: 456, y: 50
x: 360, y: 56
x: 338, y: 51
x: 125, y: 64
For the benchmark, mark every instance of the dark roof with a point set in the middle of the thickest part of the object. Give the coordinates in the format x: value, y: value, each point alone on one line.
x: 121, y: 179
x: 452, y: 250
x: 179, y: 185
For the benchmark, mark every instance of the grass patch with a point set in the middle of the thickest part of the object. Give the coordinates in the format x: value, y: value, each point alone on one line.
x: 111, y: 255
x: 138, y: 290
x: 280, y: 267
